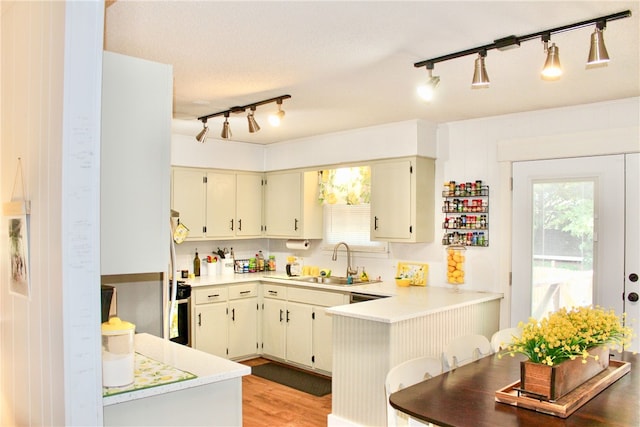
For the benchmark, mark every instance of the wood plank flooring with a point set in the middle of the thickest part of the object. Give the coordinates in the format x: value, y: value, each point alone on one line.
x: 265, y: 403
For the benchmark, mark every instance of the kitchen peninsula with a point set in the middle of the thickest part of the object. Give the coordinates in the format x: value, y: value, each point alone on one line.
x: 369, y: 338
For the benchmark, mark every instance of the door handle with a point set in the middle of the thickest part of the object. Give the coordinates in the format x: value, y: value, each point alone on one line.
x: 199, y: 319
x: 295, y: 225
x: 281, y: 315
x: 375, y: 222
x: 287, y: 316
x: 633, y: 297
x: 231, y: 224
x: 233, y: 314
x: 240, y: 225
x: 633, y: 277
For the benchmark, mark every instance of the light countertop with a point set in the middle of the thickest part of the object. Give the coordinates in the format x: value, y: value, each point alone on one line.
x: 208, y: 368
x: 403, y: 303
x: 412, y: 302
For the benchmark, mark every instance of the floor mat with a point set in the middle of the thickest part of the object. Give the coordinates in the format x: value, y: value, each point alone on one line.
x: 294, y: 378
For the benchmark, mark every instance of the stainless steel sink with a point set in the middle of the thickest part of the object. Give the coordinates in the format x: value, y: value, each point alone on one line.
x: 335, y: 280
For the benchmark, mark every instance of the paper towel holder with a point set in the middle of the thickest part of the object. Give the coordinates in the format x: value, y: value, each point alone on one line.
x: 298, y: 244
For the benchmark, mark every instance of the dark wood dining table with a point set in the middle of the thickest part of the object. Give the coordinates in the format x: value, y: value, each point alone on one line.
x: 466, y: 397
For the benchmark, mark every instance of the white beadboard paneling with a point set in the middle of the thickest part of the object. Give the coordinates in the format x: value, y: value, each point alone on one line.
x: 49, y: 376
x: 364, y: 351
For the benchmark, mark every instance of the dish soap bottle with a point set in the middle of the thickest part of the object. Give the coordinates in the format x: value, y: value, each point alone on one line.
x: 196, y: 265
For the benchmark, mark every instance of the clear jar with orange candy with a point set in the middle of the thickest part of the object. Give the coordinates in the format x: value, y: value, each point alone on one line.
x: 455, y: 264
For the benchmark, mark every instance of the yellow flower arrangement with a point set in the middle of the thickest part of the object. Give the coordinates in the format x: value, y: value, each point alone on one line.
x: 569, y: 334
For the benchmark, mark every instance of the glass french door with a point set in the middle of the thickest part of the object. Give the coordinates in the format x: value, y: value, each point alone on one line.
x: 563, y: 245
x: 568, y: 234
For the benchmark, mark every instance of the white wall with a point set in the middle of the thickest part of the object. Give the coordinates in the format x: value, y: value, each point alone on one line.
x: 50, y: 102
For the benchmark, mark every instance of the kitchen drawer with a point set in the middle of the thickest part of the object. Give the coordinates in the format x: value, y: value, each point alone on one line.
x: 316, y: 297
x: 246, y: 290
x: 211, y: 294
x: 274, y: 291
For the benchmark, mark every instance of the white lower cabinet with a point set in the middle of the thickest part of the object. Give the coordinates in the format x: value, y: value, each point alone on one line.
x: 225, y: 320
x: 298, y: 342
x: 210, y: 320
x: 243, y: 323
x: 273, y: 327
x: 322, y: 339
x: 296, y: 327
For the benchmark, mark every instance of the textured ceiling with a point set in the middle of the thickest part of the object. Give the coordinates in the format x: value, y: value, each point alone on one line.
x: 349, y: 64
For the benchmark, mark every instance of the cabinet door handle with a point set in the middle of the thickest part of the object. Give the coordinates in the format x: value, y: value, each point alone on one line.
x: 233, y: 314
x: 273, y: 292
x: 240, y: 225
x: 213, y: 296
x: 375, y: 222
x: 199, y: 319
x: 295, y: 225
x: 231, y: 224
x: 287, y: 316
x: 280, y: 315
x: 244, y: 292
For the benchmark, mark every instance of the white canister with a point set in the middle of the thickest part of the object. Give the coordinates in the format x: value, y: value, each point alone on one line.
x: 228, y: 266
x: 214, y: 268
x: 117, y: 353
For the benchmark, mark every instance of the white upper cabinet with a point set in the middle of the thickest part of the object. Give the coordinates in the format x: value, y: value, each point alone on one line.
x: 135, y: 165
x: 221, y: 205
x: 402, y: 200
x: 218, y: 204
x: 189, y: 199
x: 292, y: 209
x: 249, y: 204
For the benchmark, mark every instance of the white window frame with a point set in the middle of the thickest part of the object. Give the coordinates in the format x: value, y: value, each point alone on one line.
x: 375, y: 248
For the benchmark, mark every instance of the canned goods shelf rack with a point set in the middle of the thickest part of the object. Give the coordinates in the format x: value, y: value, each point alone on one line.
x: 466, y: 213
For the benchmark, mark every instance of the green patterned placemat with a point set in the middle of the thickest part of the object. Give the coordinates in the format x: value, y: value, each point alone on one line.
x: 149, y: 373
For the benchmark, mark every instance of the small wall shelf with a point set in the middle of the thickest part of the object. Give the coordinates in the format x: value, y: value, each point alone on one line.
x: 466, y: 214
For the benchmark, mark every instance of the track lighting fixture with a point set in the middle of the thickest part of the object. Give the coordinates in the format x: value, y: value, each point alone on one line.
x: 202, y: 135
x: 276, y: 118
x: 480, y: 77
x: 426, y: 91
x: 226, y: 130
x: 552, y: 69
x: 597, y: 53
x: 253, y: 125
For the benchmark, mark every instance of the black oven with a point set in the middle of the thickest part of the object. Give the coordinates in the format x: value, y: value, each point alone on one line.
x: 183, y: 306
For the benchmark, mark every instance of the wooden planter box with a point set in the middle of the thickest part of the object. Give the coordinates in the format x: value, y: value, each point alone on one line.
x: 553, y: 382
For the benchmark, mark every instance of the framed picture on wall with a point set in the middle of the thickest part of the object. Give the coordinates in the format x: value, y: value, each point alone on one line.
x: 16, y: 214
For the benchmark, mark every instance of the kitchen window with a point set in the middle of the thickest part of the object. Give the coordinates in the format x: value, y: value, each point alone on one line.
x: 345, y: 195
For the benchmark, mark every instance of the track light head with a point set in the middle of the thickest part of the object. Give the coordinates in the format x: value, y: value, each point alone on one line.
x: 226, y: 130
x: 552, y: 69
x: 480, y: 76
x: 253, y: 125
x: 598, y: 55
x: 426, y: 91
x: 277, y: 117
x: 202, y: 135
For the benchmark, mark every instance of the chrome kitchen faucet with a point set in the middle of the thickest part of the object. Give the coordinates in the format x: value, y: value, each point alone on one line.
x: 350, y: 270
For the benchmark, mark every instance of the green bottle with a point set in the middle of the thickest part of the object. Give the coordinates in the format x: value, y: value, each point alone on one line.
x: 196, y: 265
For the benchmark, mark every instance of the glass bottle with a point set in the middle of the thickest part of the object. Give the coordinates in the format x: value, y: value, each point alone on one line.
x: 196, y: 265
